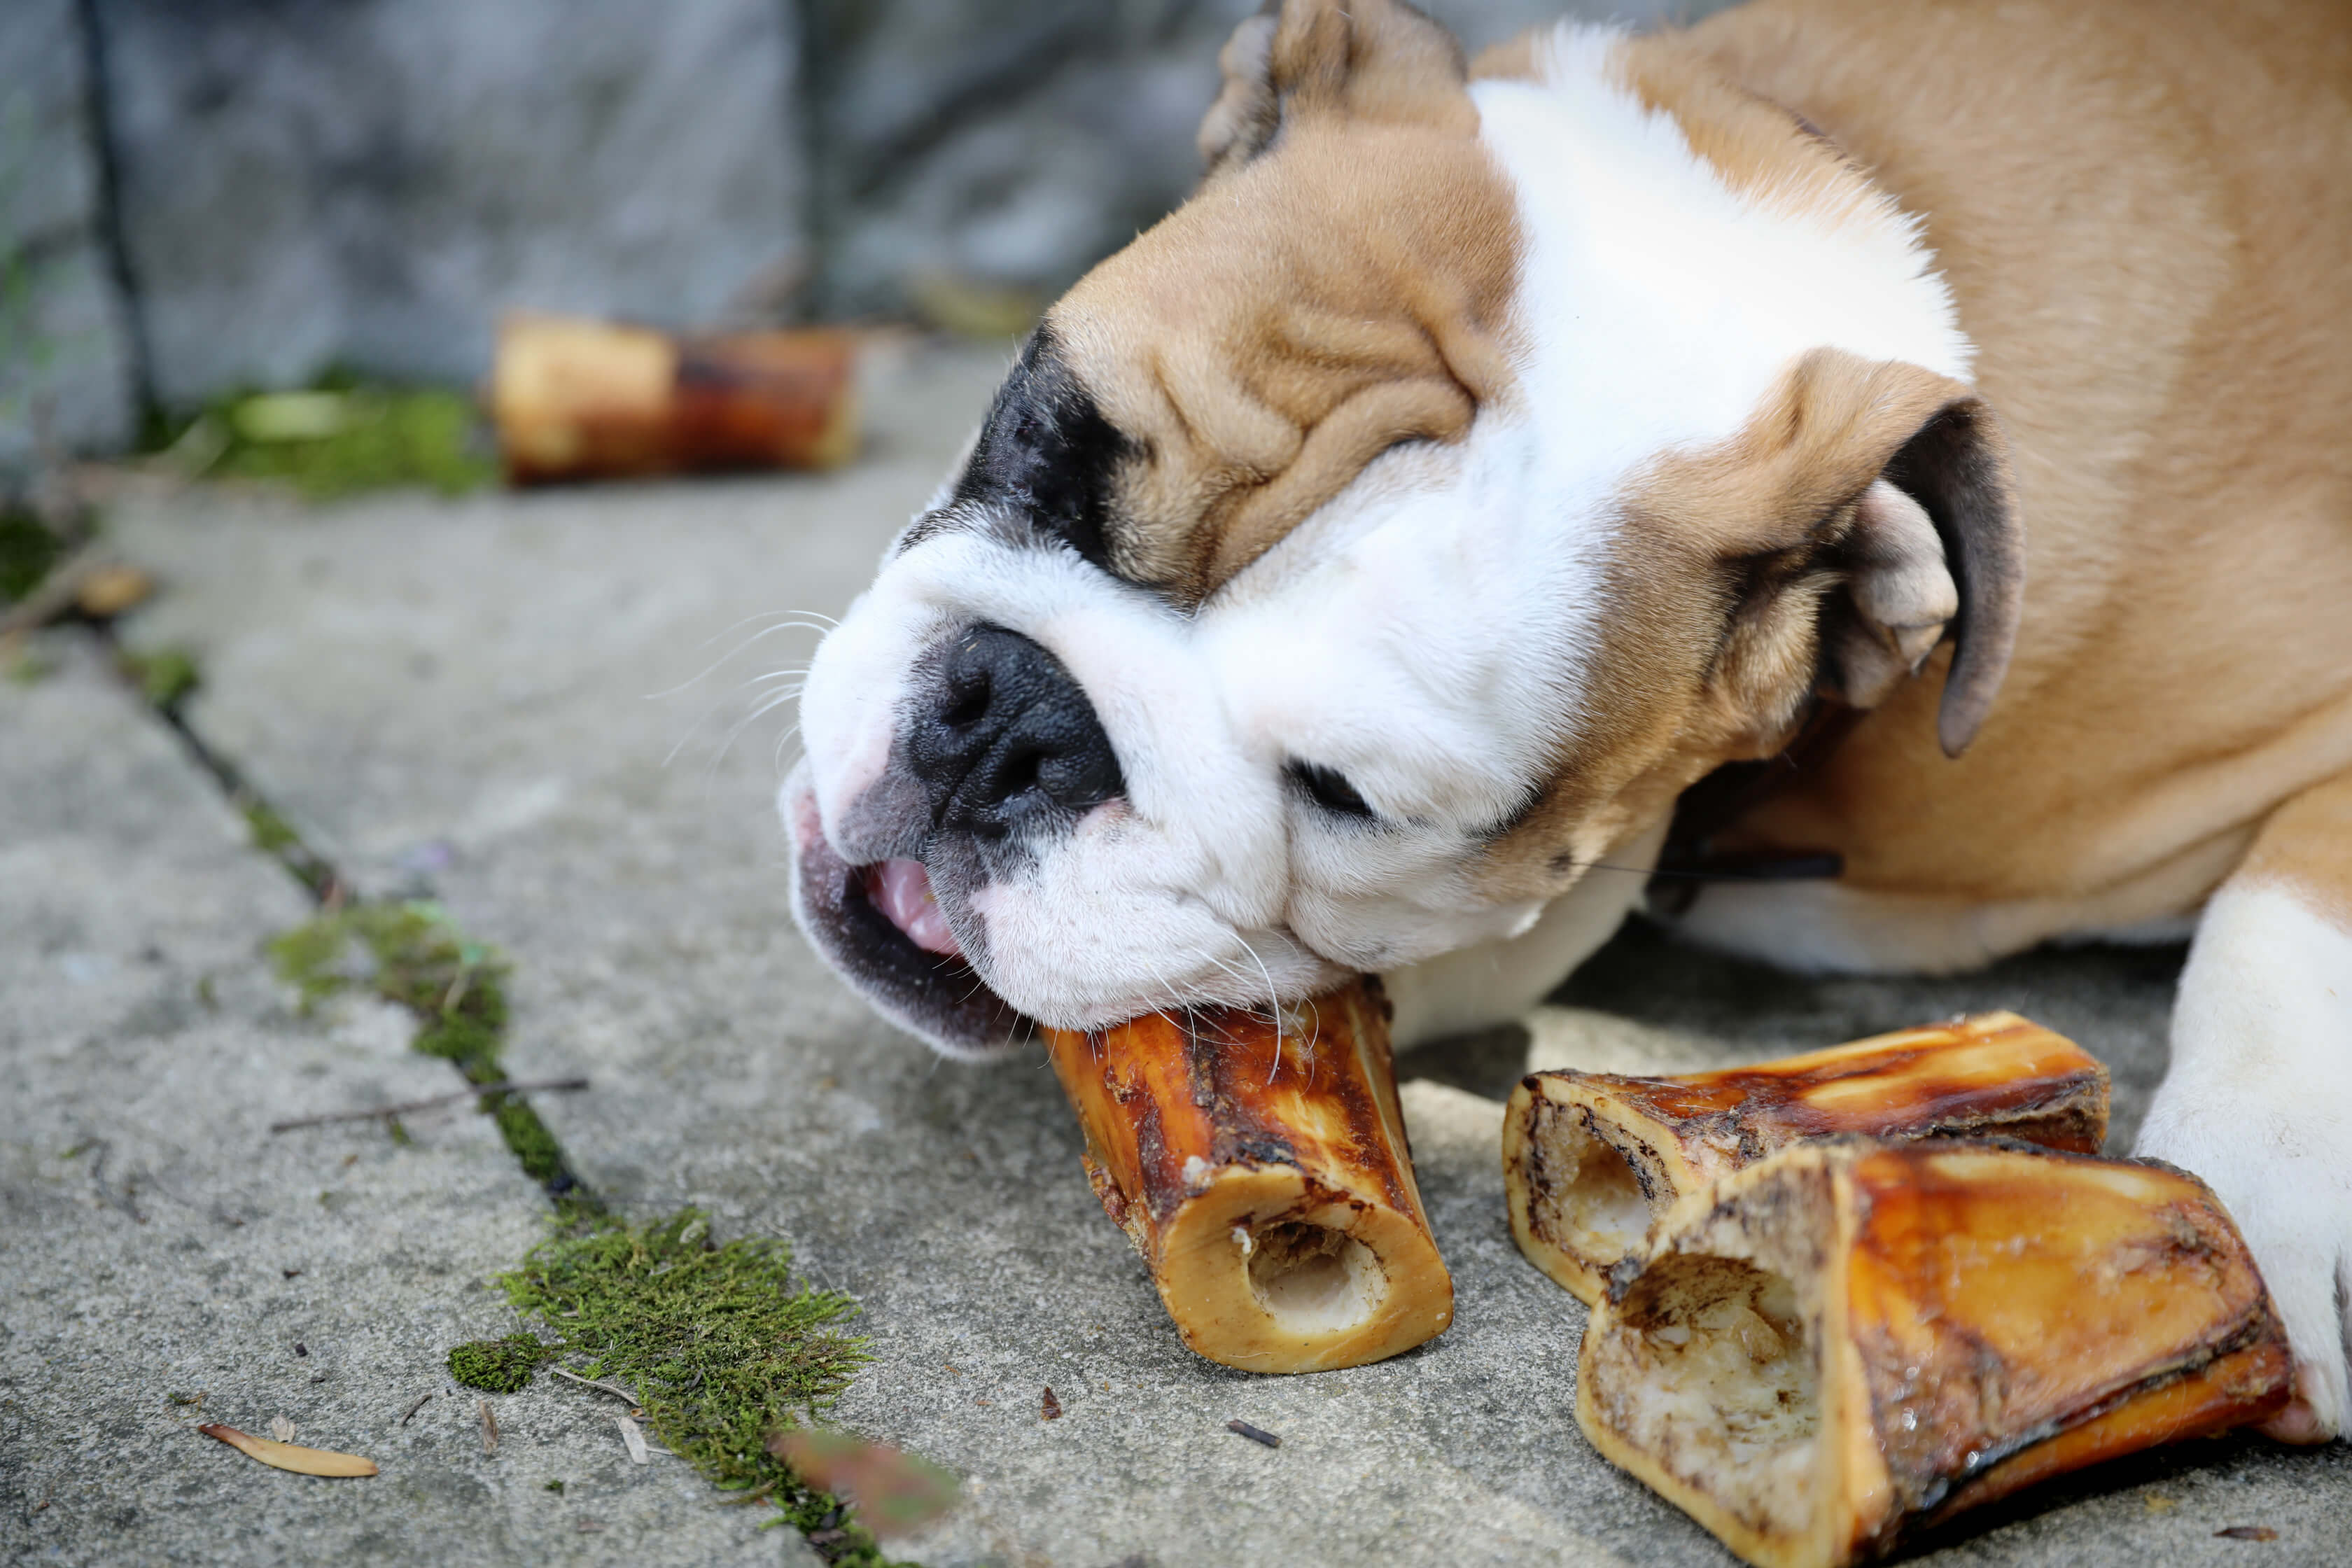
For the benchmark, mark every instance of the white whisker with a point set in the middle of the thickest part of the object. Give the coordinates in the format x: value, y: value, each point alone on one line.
x: 1274, y: 1001
x: 732, y: 653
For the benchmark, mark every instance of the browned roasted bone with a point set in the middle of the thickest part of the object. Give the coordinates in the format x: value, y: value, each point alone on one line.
x: 1851, y: 1341
x: 1590, y: 1159
x: 582, y: 399
x: 1262, y: 1171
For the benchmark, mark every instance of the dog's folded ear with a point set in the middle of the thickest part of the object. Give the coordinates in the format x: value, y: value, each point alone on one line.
x: 1900, y: 598
x: 1866, y: 514
x: 1933, y: 550
x: 1374, y: 59
x: 1954, y: 470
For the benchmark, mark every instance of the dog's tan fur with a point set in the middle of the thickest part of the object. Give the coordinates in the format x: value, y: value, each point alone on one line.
x: 1697, y: 667
x: 1295, y: 319
x: 2139, y: 210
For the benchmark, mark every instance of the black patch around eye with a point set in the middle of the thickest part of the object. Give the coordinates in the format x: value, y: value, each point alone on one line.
x: 1329, y: 788
x: 1047, y: 452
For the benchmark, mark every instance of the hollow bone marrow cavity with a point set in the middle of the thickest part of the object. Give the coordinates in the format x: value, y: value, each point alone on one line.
x: 1850, y: 1342
x: 1259, y: 1164
x: 1590, y: 1160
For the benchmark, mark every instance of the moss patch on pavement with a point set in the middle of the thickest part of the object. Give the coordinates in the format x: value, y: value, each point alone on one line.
x: 498, y: 1366
x: 411, y: 953
x: 718, y: 1345
x: 164, y: 675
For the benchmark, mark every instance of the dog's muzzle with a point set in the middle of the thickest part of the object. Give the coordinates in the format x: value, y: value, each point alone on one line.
x: 998, y: 747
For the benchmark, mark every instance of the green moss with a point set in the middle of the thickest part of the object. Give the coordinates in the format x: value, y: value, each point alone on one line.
x: 272, y: 834
x: 27, y: 550
x: 164, y: 675
x: 411, y: 954
x: 338, y: 439
x: 715, y: 1341
x: 498, y: 1366
x: 275, y: 837
x: 534, y: 1146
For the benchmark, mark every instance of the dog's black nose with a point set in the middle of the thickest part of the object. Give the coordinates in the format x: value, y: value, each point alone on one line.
x: 1008, y: 734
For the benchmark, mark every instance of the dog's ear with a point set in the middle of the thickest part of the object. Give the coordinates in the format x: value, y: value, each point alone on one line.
x: 1374, y: 60
x: 1955, y: 469
x: 1863, y: 516
x: 1899, y: 599
x: 1936, y: 552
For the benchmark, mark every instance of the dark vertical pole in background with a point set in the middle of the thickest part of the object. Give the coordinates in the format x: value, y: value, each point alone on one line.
x: 98, y: 99
x: 812, y: 52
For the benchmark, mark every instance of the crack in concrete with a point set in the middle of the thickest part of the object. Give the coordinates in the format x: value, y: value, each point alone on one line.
x: 527, y: 1136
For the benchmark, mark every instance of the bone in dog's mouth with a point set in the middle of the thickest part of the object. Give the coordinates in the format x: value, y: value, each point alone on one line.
x: 880, y: 923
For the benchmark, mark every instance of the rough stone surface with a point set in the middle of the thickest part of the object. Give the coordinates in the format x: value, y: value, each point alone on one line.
x: 169, y: 1261
x: 452, y: 692
x: 371, y: 184
x: 1011, y: 144
x: 65, y: 364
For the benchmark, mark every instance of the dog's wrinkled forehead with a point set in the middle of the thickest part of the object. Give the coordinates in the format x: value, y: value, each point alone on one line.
x: 1199, y: 393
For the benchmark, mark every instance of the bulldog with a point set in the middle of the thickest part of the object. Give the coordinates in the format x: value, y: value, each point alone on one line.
x: 1355, y: 571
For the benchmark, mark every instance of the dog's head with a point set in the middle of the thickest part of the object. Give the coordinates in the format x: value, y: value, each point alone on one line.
x: 1350, y: 563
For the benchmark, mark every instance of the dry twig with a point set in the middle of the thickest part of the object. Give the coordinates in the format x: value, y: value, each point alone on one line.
x: 503, y: 1085
x: 615, y: 1391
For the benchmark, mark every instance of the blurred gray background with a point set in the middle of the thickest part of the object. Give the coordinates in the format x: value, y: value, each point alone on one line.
x: 200, y: 196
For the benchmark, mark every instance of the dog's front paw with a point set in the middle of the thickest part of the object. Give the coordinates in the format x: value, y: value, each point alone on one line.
x: 2281, y: 1161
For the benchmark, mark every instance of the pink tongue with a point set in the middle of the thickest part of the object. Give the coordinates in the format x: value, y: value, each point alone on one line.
x: 901, y: 889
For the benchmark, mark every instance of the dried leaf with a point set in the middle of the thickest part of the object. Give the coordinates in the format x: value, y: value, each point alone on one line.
x: 489, y: 1427
x: 2248, y: 1533
x: 1049, y: 1408
x: 288, y: 1457
x: 281, y: 1428
x: 895, y: 1492
x: 635, y: 1436
x: 107, y: 591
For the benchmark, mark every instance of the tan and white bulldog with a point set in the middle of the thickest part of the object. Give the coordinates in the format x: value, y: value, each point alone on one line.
x: 1355, y: 570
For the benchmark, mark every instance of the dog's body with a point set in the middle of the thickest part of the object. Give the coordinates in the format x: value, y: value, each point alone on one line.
x: 1386, y: 540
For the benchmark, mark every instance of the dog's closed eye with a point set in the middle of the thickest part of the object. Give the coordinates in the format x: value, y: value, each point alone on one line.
x: 1330, y: 789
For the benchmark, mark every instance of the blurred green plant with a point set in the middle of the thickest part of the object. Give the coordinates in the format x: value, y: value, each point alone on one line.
x: 164, y: 675
x: 27, y: 549
x: 339, y: 437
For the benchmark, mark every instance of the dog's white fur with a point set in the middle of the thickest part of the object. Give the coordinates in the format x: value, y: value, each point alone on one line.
x: 2259, y: 1102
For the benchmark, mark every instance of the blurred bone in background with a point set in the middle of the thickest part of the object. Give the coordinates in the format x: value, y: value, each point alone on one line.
x: 199, y: 197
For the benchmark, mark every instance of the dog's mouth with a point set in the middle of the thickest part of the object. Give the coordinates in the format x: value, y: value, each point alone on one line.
x: 901, y: 889
x: 880, y: 926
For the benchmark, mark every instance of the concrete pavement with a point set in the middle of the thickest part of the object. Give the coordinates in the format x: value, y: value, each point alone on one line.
x: 454, y: 697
